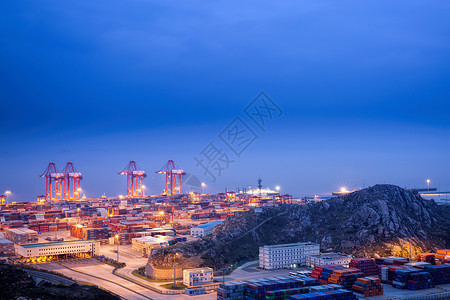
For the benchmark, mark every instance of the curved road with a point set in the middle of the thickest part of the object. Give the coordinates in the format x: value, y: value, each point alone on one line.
x: 125, y: 289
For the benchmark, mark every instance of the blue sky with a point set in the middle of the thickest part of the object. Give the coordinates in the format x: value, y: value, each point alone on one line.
x: 364, y: 87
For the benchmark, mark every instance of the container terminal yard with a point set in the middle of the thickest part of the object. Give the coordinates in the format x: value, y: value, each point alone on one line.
x: 107, y: 241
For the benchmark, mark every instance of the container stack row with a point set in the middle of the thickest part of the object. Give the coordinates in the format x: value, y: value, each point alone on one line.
x: 368, y: 286
x: 392, y: 260
x: 330, y: 295
x: 443, y: 256
x: 412, y: 279
x: 420, y: 280
x: 346, y: 278
x: 440, y: 273
x: 426, y: 257
x: 285, y: 294
x: 257, y: 288
x: 231, y: 290
x: 366, y: 265
x: 336, y: 275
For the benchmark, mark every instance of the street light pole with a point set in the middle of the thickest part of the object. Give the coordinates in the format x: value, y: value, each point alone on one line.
x: 428, y: 184
x: 7, y: 194
x: 174, y: 281
x: 117, y: 236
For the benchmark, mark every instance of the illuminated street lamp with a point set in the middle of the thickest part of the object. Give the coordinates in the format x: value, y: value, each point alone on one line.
x: 203, y: 186
x: 344, y: 189
x: 7, y: 193
x: 428, y: 184
x: 174, y: 282
x: 277, y: 188
x: 143, y: 190
x: 118, y: 242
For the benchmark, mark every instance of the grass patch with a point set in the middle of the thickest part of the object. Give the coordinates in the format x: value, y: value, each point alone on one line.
x: 179, y: 286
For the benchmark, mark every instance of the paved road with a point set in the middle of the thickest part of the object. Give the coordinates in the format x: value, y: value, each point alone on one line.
x: 97, y: 273
x: 50, y: 277
x: 117, y: 287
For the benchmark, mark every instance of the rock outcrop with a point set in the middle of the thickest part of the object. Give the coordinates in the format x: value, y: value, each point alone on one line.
x: 377, y: 221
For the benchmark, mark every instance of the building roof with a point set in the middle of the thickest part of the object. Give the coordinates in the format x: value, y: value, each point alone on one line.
x: 330, y: 256
x: 150, y: 239
x: 291, y: 245
x: 5, y: 241
x: 213, y: 223
x: 56, y: 244
x: 199, y: 270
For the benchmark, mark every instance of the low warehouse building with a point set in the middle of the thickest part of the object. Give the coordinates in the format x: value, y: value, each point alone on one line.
x: 21, y: 235
x: 204, y: 229
x: 146, y: 244
x: 328, y: 259
x: 198, y: 276
x: 47, y: 251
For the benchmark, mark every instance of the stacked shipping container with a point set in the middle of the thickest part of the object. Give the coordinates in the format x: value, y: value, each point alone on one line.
x: 257, y: 288
x: 369, y: 286
x: 366, y: 265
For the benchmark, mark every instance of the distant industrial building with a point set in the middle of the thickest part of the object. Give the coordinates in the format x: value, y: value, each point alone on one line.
x: 43, y: 251
x: 146, y: 244
x: 6, y: 247
x: 286, y: 255
x: 21, y: 235
x: 328, y: 259
x: 198, y: 276
x: 86, y: 233
x: 205, y: 229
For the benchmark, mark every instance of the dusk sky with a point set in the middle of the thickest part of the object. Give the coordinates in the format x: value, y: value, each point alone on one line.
x: 364, y: 89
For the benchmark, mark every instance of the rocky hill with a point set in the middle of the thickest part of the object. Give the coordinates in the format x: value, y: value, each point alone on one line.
x: 380, y: 220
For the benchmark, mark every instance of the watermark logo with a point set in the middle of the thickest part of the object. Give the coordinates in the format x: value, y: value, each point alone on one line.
x: 263, y: 110
x: 238, y: 136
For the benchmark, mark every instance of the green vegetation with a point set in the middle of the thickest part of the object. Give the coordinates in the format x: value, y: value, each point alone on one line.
x: 110, y: 261
x: 179, y: 286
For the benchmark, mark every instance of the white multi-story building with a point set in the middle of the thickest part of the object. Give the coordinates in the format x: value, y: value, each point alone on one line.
x: 328, y: 259
x: 58, y: 248
x: 204, y: 229
x: 192, y: 277
x: 286, y: 255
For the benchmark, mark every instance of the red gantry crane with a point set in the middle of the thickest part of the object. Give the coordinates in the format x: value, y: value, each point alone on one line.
x: 72, y: 178
x: 134, y: 180
x: 173, y: 178
x: 53, y: 183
